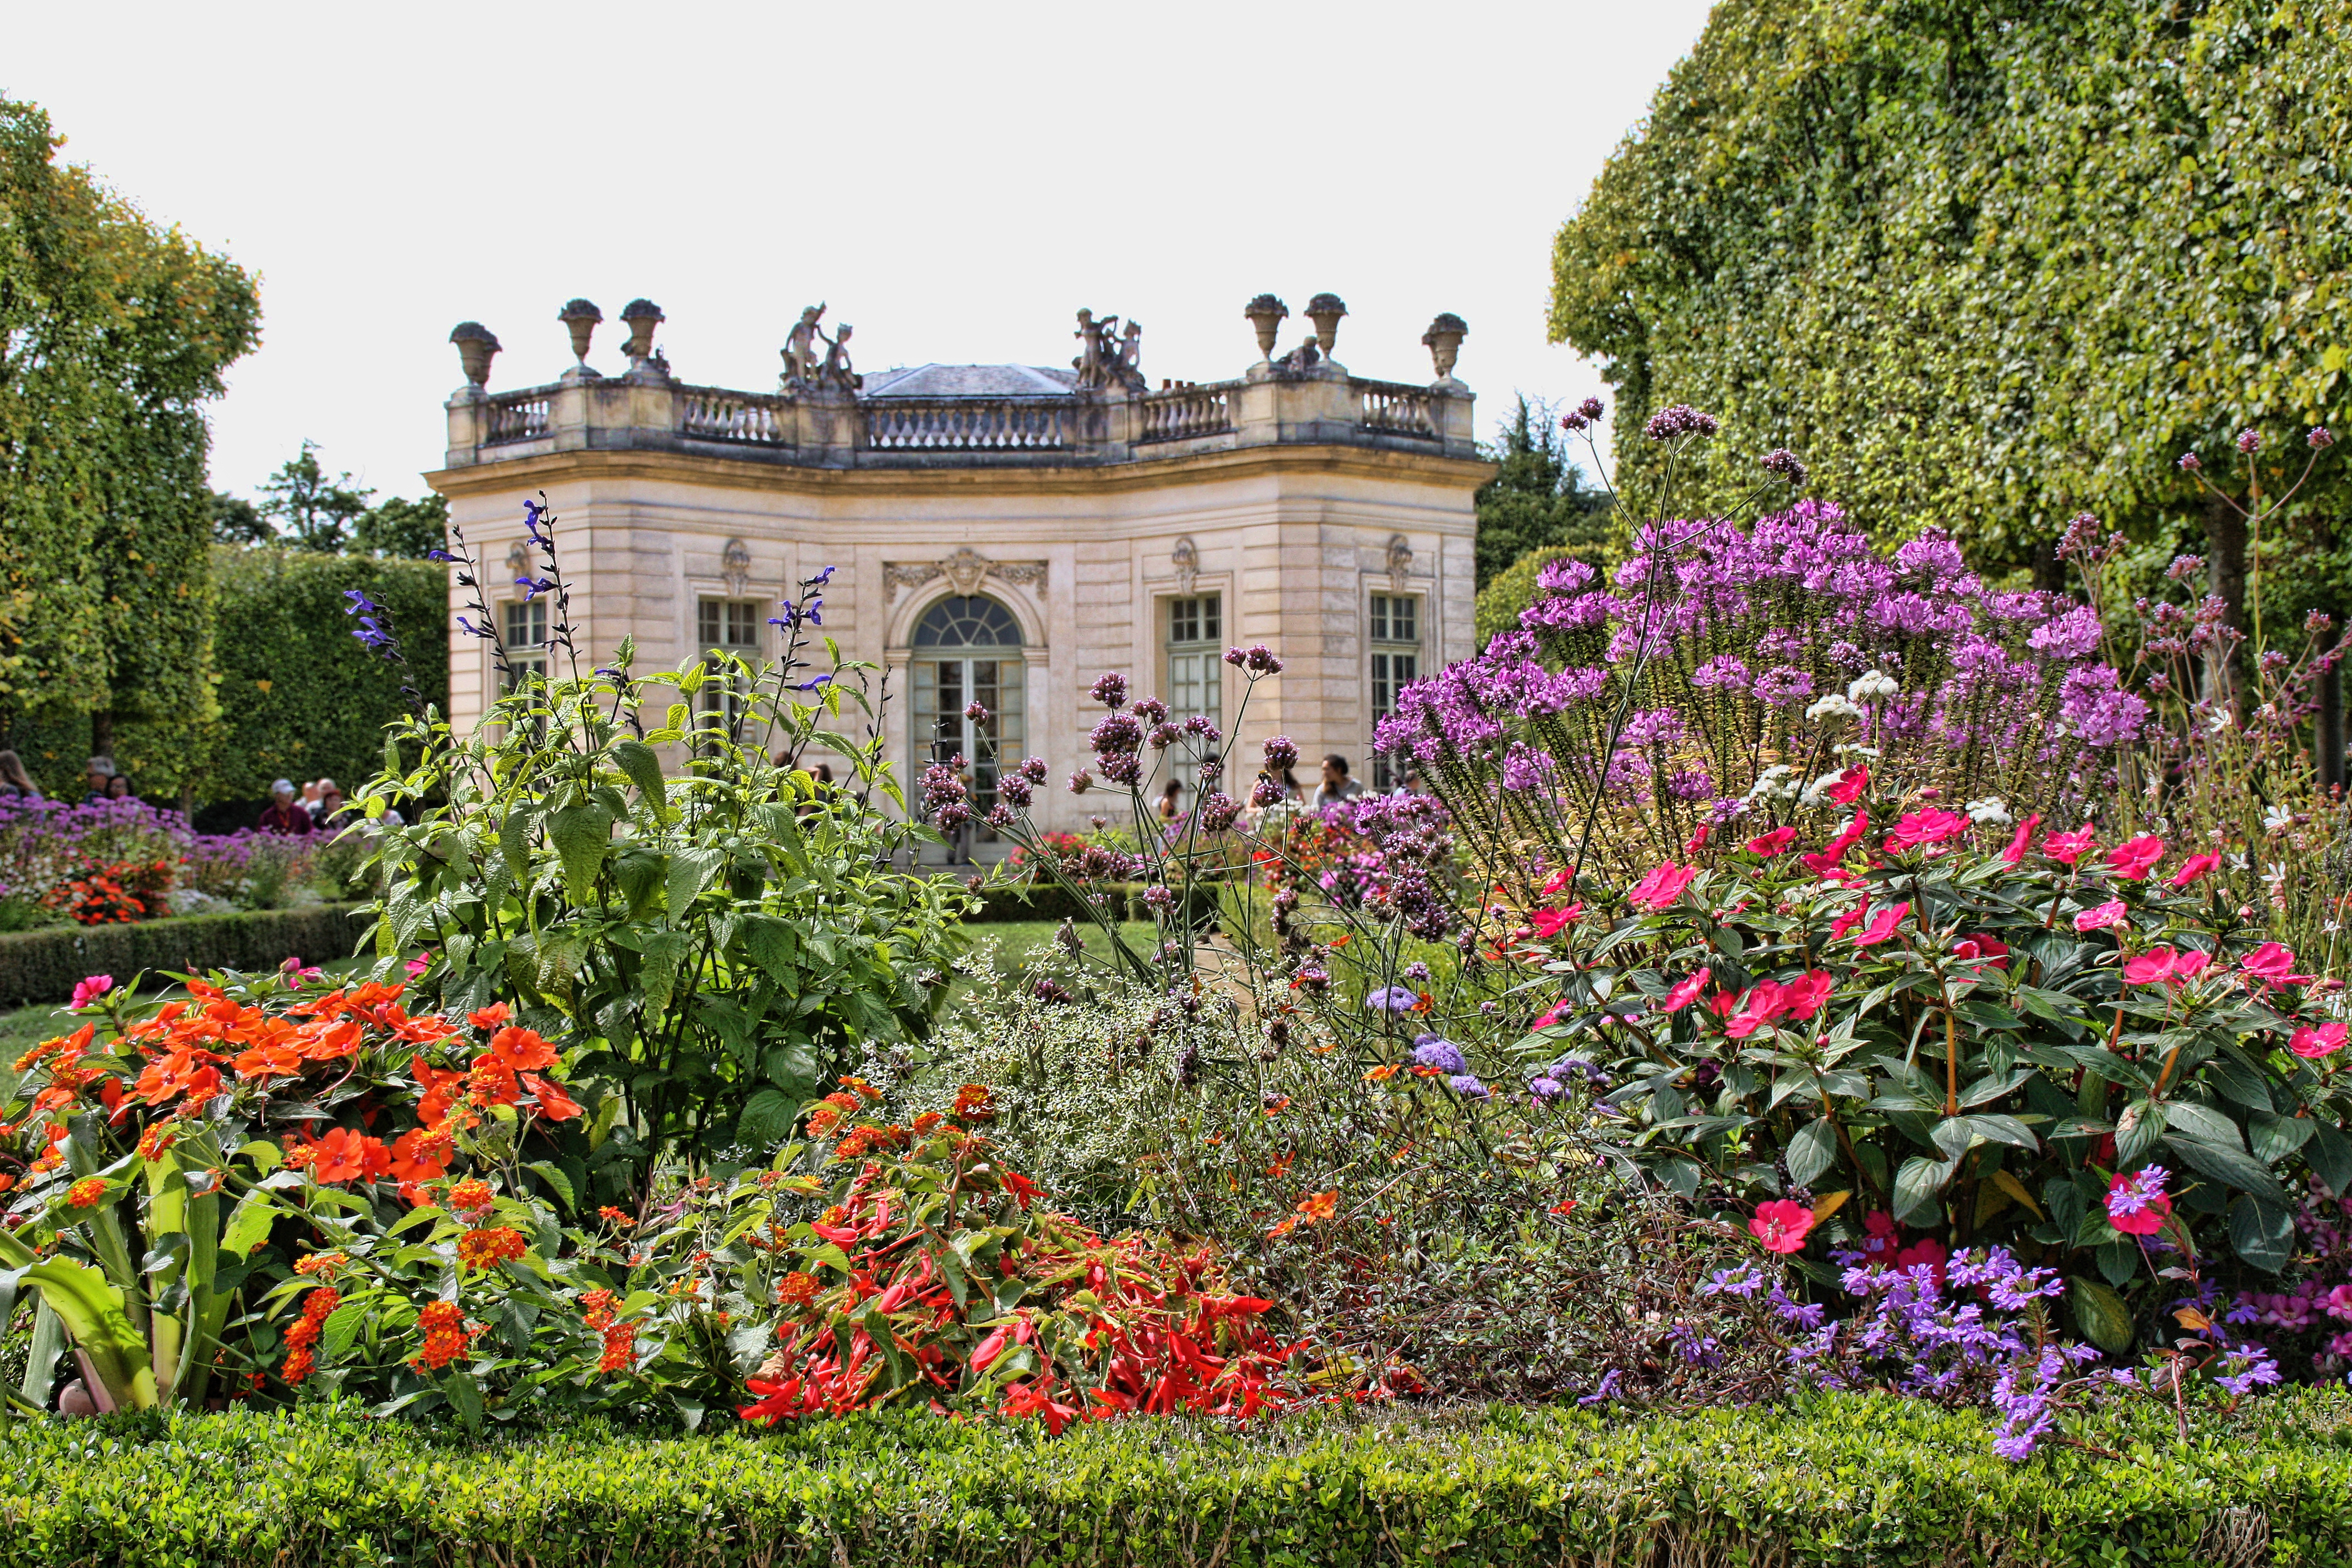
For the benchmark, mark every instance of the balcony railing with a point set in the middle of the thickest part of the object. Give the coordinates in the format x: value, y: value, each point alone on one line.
x: 517, y: 417
x: 966, y: 424
x: 714, y: 413
x: 1186, y: 412
x: 1392, y: 408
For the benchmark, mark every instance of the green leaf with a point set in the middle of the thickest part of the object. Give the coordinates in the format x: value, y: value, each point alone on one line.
x: 772, y: 945
x: 582, y: 834
x: 557, y: 1180
x: 2331, y: 1157
x: 248, y: 1225
x: 2262, y: 1231
x: 690, y: 871
x: 2118, y: 1259
x: 2100, y: 1314
x: 514, y: 844
x: 767, y: 1117
x: 1811, y: 1152
x: 342, y: 1327
x: 2194, y: 1120
x: 2233, y: 1167
x: 1916, y: 1187
x: 638, y: 761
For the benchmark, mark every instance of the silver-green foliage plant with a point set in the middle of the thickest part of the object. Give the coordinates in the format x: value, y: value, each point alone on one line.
x: 724, y: 941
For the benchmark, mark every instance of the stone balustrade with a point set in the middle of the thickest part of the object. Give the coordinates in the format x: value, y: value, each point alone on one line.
x: 646, y: 410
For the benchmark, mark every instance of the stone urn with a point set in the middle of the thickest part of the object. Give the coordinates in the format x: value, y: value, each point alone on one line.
x: 580, y: 317
x: 1444, y: 341
x: 642, y: 316
x: 477, y: 346
x: 1325, y: 311
x: 1265, y: 314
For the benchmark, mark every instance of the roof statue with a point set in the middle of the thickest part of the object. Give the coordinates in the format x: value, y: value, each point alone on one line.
x: 800, y: 353
x: 1104, y: 360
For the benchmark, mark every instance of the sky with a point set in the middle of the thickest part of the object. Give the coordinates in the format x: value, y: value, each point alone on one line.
x: 954, y: 181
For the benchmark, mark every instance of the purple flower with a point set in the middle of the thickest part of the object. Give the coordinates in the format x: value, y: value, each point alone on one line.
x: 2072, y: 636
x: 2136, y: 1191
x: 974, y: 712
x: 1110, y: 691
x: 1680, y: 419
x: 1430, y: 1051
x: 1723, y: 669
x: 1281, y: 752
x: 1782, y: 684
x: 1266, y: 792
x: 1467, y: 1086
x: 2188, y: 462
x: 1080, y: 781
x: 1033, y: 769
x: 2249, y: 442
x: 1392, y: 999
x: 1784, y: 463
x: 1152, y: 710
x: 2319, y: 440
x: 1117, y: 734
x: 1592, y: 408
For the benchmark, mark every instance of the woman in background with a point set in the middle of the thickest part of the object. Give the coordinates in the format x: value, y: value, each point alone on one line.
x: 15, y: 783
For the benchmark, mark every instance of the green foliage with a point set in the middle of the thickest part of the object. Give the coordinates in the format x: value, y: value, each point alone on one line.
x: 1511, y: 590
x: 409, y: 528
x: 730, y: 940
x: 1536, y: 500
x: 308, y: 508
x: 1839, y: 1481
x: 116, y: 331
x: 44, y: 966
x: 299, y: 697
x: 1983, y: 267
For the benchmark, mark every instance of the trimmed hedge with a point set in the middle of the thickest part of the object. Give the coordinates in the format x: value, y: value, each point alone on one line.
x: 1052, y: 901
x: 43, y: 965
x: 1846, y: 1479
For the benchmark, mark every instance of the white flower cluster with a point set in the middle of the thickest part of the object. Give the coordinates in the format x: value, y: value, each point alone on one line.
x: 1871, y: 686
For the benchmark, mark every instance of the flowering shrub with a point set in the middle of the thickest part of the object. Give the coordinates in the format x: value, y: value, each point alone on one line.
x: 157, y: 1180
x: 1930, y: 1033
x: 1730, y: 669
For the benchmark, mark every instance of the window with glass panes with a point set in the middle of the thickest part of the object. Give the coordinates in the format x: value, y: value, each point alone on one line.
x: 968, y: 649
x: 526, y: 640
x: 1196, y: 636
x: 1392, y: 631
x: 727, y: 625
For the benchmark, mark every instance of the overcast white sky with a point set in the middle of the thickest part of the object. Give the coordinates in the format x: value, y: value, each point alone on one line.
x: 953, y: 180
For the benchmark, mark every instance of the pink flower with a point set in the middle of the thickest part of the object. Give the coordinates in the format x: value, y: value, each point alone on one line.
x: 1776, y: 842
x: 1548, y: 923
x: 1758, y: 1008
x: 1662, y: 885
x: 1879, y: 1235
x: 2135, y: 1203
x: 89, y: 990
x: 2196, y: 865
x: 1782, y: 1225
x: 2068, y: 847
x: 1847, y: 921
x: 1802, y: 997
x: 1932, y: 827
x: 419, y: 965
x: 1822, y: 864
x: 2018, y: 846
x: 2150, y: 967
x: 2272, y: 963
x: 1684, y: 994
x: 2134, y: 860
x: 1697, y: 841
x: 1982, y: 949
x: 1550, y: 1017
x: 1927, y: 1251
x: 2312, y: 1044
x: 1564, y: 877
x: 1850, y: 785
x: 2189, y: 965
x: 1883, y: 926
x: 2111, y: 912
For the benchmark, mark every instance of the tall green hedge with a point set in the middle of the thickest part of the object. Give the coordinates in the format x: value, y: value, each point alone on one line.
x: 1849, y: 1480
x: 300, y: 697
x: 113, y: 331
x: 37, y: 967
x: 1986, y: 264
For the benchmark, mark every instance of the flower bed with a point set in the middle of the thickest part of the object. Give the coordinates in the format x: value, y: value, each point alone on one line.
x: 45, y: 965
x: 1847, y: 1479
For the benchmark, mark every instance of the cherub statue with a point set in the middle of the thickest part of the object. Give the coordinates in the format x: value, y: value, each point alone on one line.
x: 1128, y: 368
x: 836, y: 370
x: 800, y: 353
x: 1091, y: 365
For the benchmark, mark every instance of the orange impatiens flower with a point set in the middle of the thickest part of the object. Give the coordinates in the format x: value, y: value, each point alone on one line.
x: 1319, y: 1206
x: 343, y: 1155
x: 553, y: 1103
x: 490, y: 1018
x: 1380, y: 1074
x: 517, y: 1049
x: 420, y: 1154
x: 440, y: 1086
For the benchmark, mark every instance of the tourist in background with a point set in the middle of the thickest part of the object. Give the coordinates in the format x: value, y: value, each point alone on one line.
x: 1171, y: 801
x: 1337, y: 785
x: 314, y: 798
x: 95, y: 772
x: 119, y: 788
x: 15, y: 783
x: 284, y: 814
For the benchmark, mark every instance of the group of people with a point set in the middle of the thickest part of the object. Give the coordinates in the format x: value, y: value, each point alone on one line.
x: 1336, y: 785
x: 317, y: 807
x: 101, y: 781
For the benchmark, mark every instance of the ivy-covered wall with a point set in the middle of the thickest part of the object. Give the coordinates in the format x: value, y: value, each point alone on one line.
x: 1986, y: 264
x: 112, y: 333
x: 298, y: 697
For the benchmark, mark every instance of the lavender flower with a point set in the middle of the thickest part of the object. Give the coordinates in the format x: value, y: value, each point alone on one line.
x: 1785, y: 464
x: 1110, y: 691
x: 2319, y: 440
x: 1432, y: 1051
x: 1680, y: 420
x: 1281, y: 752
x: 2249, y: 442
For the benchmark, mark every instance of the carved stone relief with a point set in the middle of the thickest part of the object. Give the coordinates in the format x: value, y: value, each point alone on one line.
x: 965, y: 571
x: 735, y: 565
x: 1399, y: 561
x: 1187, y: 557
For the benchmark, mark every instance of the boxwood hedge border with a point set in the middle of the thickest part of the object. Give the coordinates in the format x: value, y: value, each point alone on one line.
x: 43, y: 965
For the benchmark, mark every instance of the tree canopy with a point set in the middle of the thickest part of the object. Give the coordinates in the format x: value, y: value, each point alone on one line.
x: 1537, y: 500
x: 112, y: 333
x: 1984, y: 265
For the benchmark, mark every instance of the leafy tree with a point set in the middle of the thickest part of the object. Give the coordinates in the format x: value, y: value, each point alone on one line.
x: 410, y: 529
x: 1537, y: 500
x: 312, y: 511
x: 112, y: 333
x: 236, y: 521
x: 1988, y: 265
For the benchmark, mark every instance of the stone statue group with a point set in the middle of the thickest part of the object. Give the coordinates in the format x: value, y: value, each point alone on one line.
x: 806, y: 369
x: 1106, y: 357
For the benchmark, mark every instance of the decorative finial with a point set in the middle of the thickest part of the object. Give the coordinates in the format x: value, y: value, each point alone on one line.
x: 580, y: 317
x: 477, y: 346
x: 1444, y: 341
x: 1325, y: 311
x: 643, y: 316
x: 1266, y: 313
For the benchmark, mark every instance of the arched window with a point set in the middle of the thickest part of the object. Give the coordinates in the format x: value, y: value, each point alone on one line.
x: 968, y: 650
